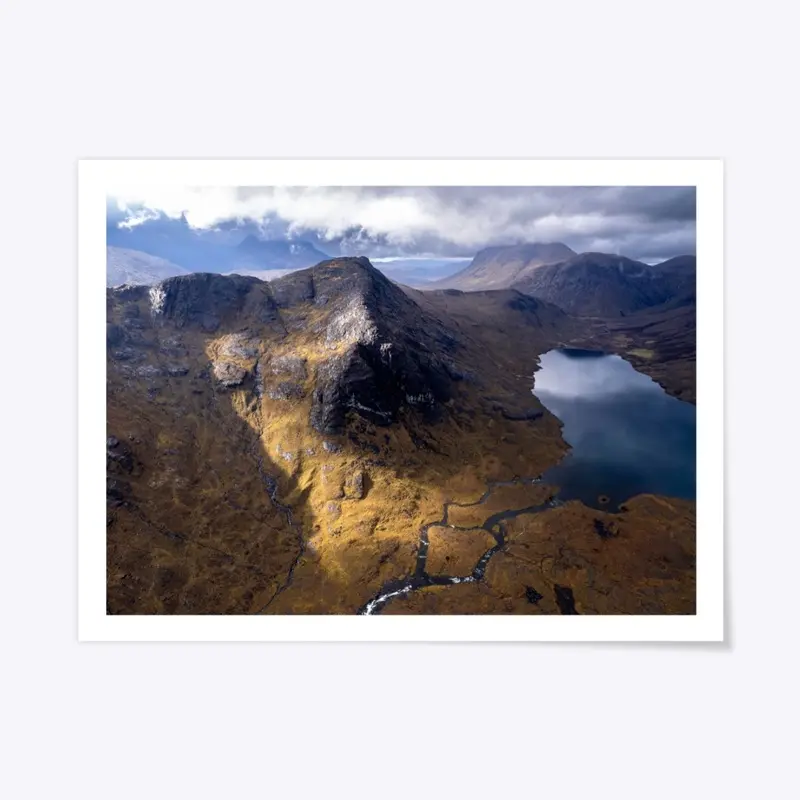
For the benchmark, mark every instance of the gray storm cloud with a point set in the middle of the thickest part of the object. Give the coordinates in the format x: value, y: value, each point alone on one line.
x: 648, y: 223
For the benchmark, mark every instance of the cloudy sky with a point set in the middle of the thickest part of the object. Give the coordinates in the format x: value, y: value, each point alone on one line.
x: 646, y: 223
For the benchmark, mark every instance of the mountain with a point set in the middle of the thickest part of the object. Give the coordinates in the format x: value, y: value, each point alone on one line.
x: 660, y: 341
x: 277, y: 446
x: 679, y: 274
x: 134, y: 267
x: 176, y: 241
x: 258, y: 254
x: 227, y: 248
x: 500, y: 267
x: 308, y: 445
x: 602, y: 285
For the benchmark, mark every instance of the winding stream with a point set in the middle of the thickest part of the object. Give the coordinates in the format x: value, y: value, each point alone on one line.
x: 493, y: 525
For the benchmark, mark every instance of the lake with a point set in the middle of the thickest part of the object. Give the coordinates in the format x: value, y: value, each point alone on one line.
x: 628, y: 436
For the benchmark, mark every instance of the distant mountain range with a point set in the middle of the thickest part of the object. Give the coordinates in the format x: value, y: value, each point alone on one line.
x: 224, y: 250
x: 602, y: 285
x: 135, y: 268
x: 161, y: 248
x: 502, y: 267
x: 586, y: 284
x: 255, y: 253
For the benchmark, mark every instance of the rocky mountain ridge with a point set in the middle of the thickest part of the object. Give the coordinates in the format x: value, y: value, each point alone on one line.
x: 584, y: 284
x: 603, y: 285
x: 379, y: 351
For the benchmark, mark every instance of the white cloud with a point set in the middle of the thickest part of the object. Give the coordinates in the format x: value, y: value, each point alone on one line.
x: 466, y: 217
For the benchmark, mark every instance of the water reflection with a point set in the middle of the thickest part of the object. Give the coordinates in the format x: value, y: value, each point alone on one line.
x: 627, y: 435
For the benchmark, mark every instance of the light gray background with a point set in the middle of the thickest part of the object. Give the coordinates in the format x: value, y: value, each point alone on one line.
x: 624, y: 79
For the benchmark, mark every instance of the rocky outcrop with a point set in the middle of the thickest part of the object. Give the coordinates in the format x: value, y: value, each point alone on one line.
x: 282, y: 377
x: 391, y: 357
x: 286, y: 390
x: 128, y: 293
x: 292, y: 367
x: 354, y: 485
x: 244, y: 345
x: 298, y: 287
x: 206, y: 300
x: 234, y: 357
x: 229, y: 374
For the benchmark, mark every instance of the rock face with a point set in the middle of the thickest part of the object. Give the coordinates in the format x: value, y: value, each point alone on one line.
x: 374, y: 387
x: 384, y: 350
x: 354, y: 485
x: 204, y: 299
x: 229, y: 374
x: 282, y: 377
x: 286, y: 390
x: 292, y: 367
x: 298, y: 287
x: 239, y: 345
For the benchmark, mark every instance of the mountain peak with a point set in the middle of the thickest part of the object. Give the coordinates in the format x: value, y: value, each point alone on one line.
x: 349, y: 262
x: 256, y: 253
x: 498, y: 267
x: 336, y: 279
x: 374, y: 351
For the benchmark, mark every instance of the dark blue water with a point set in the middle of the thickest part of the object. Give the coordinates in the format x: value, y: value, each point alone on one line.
x: 627, y: 435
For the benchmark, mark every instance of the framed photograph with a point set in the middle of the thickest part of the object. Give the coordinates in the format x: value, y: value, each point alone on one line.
x: 400, y: 400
